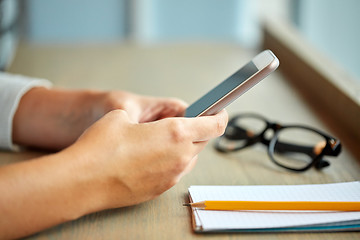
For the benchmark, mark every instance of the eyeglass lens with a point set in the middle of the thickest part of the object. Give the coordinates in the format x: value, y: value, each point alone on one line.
x: 296, y: 147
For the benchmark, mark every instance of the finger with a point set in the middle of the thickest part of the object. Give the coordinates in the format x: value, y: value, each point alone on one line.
x: 173, y: 107
x: 207, y: 127
x: 134, y: 115
x: 199, y: 146
x: 163, y: 108
x: 189, y: 167
x: 191, y: 164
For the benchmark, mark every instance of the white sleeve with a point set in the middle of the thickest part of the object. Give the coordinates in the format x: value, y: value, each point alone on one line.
x: 12, y: 88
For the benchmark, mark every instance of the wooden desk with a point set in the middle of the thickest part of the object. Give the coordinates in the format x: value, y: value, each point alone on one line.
x: 185, y: 72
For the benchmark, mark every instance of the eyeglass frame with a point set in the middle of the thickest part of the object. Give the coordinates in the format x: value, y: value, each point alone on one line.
x: 331, y: 148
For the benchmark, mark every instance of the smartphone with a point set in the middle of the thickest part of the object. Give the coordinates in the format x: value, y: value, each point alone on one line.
x: 234, y: 86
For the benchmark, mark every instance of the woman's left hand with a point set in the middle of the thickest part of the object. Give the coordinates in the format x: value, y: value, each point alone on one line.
x: 55, y: 118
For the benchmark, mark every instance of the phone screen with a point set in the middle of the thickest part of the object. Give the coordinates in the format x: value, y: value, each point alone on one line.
x: 221, y: 90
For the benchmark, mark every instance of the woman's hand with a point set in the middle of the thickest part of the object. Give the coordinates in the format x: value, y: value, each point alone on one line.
x: 55, y: 118
x: 140, y: 108
x: 139, y: 161
x: 116, y: 162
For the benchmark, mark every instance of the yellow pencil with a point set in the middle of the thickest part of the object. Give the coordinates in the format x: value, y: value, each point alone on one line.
x: 276, y: 205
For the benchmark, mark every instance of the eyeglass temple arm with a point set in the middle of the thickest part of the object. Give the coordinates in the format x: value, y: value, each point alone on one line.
x: 281, y: 147
x: 309, y: 150
x: 332, y: 147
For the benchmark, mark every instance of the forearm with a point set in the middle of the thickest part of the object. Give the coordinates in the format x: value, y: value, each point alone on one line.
x: 54, y: 118
x: 47, y: 191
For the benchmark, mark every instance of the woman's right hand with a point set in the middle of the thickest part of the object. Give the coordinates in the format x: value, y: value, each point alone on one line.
x: 116, y: 162
x: 134, y: 162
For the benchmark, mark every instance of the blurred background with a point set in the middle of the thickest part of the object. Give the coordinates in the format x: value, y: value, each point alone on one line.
x: 330, y: 25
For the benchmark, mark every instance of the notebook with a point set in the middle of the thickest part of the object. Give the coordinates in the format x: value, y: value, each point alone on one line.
x: 276, y: 221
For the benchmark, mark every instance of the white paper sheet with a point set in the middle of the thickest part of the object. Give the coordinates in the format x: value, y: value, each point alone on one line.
x: 207, y: 220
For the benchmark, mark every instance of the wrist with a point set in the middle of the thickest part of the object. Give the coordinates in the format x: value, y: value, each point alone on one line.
x: 107, y: 180
x: 89, y: 188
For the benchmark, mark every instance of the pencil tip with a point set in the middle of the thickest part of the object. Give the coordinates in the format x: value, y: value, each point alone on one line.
x: 187, y: 205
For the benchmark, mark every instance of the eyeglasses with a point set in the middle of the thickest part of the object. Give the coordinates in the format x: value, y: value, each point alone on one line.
x: 294, y: 147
